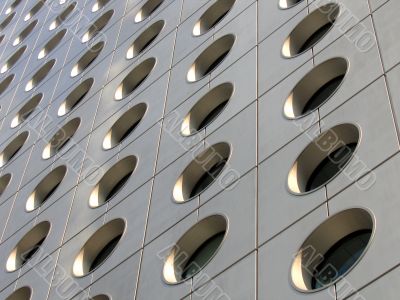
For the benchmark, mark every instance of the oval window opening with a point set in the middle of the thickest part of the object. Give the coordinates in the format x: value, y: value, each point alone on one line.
x: 201, y: 172
x: 23, y: 293
x: 195, y: 249
x: 52, y: 44
x: 311, y: 30
x: 99, y: 4
x: 316, y: 88
x: 316, y: 166
x: 6, y: 21
x: 27, y: 246
x: 24, y: 33
x: 4, y: 181
x: 145, y: 39
x: 75, y: 97
x: 210, y: 58
x: 6, y: 83
x: 13, y: 148
x: 97, y: 26
x: 13, y: 59
x: 62, y: 17
x: 34, y: 10
x: 285, y: 4
x: 212, y: 16
x: 98, y: 248
x: 112, y: 181
x: 26, y: 110
x: 135, y: 78
x: 340, y: 242
x: 87, y: 59
x: 207, y: 109
x: 124, y: 126
x: 46, y: 188
x: 147, y: 9
x: 40, y: 75
x: 61, y: 138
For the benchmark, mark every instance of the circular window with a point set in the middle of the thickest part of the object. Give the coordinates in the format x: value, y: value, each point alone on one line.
x: 23, y: 293
x: 212, y: 16
x: 284, y: 4
x: 98, y: 248
x: 4, y: 181
x: 46, y: 188
x: 112, y: 181
x: 99, y: 4
x: 6, y: 21
x: 85, y: 61
x: 52, y: 44
x: 317, y: 87
x: 27, y: 246
x: 124, y: 126
x: 332, y: 250
x: 13, y: 59
x: 6, y: 83
x: 195, y: 249
x: 24, y: 33
x: 210, y: 58
x: 61, y: 138
x: 207, y: 109
x: 324, y: 158
x: 201, y: 172
x: 12, y: 148
x: 97, y: 26
x: 26, y: 110
x: 62, y: 17
x: 41, y: 74
x: 147, y: 9
x: 311, y: 30
x: 135, y: 78
x: 75, y: 97
x: 34, y: 10
x: 144, y: 40
x: 12, y: 6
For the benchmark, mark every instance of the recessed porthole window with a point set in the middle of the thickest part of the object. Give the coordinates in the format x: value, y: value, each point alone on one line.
x: 207, y: 109
x: 25, y: 33
x: 201, y: 172
x: 99, y: 4
x: 27, y: 246
x: 212, y: 16
x: 285, y: 4
x: 101, y: 297
x: 75, y: 97
x: 311, y: 30
x: 52, y: 44
x: 62, y: 17
x: 4, y: 181
x: 97, y: 26
x: 124, y: 126
x: 147, y: 9
x: 135, y: 78
x: 112, y: 181
x: 13, y: 59
x: 26, y: 110
x: 332, y: 249
x: 12, y: 6
x: 195, y: 249
x: 61, y: 138
x: 318, y: 163
x: 46, y: 188
x: 34, y: 10
x: 12, y: 148
x: 6, y: 83
x: 85, y: 61
x: 41, y: 74
x: 316, y: 88
x: 23, y: 293
x: 6, y: 21
x: 145, y: 39
x: 210, y: 58
x: 98, y: 248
